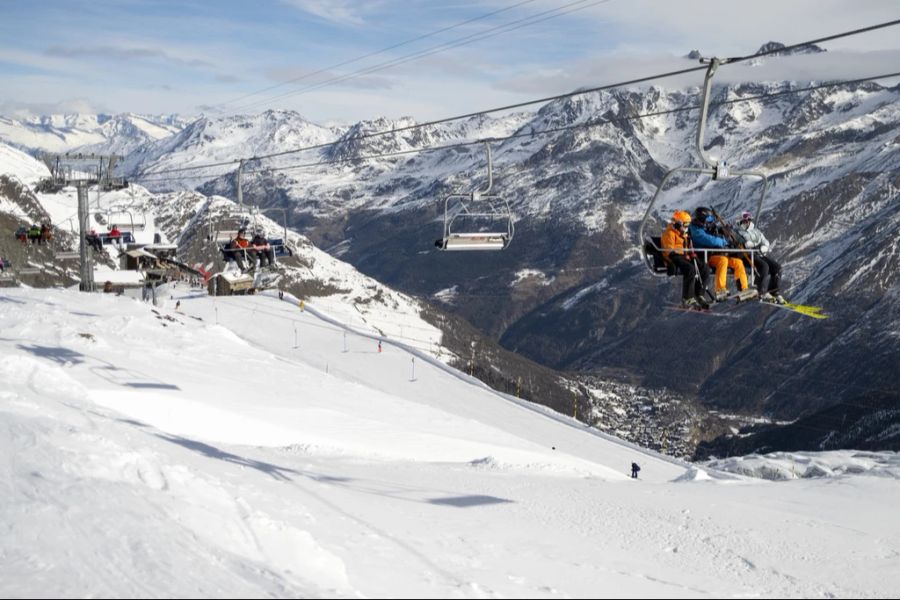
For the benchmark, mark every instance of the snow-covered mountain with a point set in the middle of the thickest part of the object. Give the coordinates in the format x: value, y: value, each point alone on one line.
x: 189, y: 219
x: 16, y: 163
x: 107, y: 134
x: 834, y: 167
x: 206, y: 140
x: 586, y: 303
x: 241, y: 447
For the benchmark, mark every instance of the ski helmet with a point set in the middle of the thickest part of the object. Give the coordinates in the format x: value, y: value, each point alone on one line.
x: 702, y: 214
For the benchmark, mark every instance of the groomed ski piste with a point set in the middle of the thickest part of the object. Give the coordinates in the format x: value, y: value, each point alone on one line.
x: 243, y: 447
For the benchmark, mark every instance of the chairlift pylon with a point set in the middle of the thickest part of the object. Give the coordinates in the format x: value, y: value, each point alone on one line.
x: 718, y: 169
x: 476, y: 207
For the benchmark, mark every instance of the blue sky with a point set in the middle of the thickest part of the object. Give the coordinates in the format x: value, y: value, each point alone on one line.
x: 189, y: 57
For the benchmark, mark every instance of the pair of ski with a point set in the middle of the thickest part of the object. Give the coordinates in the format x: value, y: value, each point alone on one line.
x: 740, y: 297
x: 813, y: 312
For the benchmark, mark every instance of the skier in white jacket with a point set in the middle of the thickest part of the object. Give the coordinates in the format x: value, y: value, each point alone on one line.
x: 768, y: 269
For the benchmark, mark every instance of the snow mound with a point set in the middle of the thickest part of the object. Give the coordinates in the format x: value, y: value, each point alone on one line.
x: 782, y: 466
x: 694, y: 474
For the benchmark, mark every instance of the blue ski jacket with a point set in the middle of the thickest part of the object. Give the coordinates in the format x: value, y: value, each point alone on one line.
x: 702, y: 239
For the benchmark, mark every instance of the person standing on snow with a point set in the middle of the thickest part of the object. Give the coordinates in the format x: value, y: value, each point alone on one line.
x: 635, y: 469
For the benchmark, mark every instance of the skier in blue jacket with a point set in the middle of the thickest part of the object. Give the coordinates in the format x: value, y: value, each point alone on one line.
x: 703, y: 235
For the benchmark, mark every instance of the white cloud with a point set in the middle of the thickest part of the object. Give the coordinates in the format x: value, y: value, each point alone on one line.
x: 26, y: 110
x: 611, y: 69
x: 111, y: 52
x: 732, y: 28
x: 345, y: 12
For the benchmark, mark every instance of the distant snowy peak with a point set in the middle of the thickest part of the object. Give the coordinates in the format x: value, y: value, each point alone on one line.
x: 94, y: 133
x: 383, y: 135
x: 778, y: 49
x: 769, y: 49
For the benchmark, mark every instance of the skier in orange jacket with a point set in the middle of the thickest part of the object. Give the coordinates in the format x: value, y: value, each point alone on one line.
x: 678, y: 253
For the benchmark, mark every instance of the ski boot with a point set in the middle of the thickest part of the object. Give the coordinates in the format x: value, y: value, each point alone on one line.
x: 746, y: 295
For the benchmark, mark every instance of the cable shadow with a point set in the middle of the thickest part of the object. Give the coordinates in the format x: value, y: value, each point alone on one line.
x: 155, y: 386
x: 469, y: 501
x: 105, y: 370
x: 57, y: 354
x: 274, y: 471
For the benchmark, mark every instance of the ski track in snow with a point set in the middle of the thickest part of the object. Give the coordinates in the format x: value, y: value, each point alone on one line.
x: 218, y: 460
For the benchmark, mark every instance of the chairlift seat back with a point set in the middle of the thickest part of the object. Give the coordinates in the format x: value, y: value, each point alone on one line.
x: 654, y: 257
x: 281, y: 249
x: 126, y: 237
x: 225, y: 236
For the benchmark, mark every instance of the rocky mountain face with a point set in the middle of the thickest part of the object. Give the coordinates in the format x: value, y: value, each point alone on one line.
x: 572, y: 292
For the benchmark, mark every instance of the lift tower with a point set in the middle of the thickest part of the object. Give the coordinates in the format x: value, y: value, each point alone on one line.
x: 82, y: 171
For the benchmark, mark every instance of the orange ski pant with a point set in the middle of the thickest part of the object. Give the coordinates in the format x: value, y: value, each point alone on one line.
x: 720, y: 264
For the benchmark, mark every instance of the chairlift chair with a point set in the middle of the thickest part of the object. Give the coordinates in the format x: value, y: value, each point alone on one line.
x: 124, y: 220
x: 470, y: 220
x: 649, y: 246
x: 246, y: 217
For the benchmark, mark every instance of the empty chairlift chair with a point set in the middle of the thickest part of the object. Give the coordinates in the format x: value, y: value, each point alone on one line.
x: 478, y: 220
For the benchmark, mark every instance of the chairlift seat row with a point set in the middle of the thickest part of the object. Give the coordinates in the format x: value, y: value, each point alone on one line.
x: 278, y: 246
x: 126, y: 237
x: 657, y: 263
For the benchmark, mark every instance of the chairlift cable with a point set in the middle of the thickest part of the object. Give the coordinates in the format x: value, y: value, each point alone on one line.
x: 589, y: 124
x: 377, y: 52
x: 464, y: 41
x: 537, y: 101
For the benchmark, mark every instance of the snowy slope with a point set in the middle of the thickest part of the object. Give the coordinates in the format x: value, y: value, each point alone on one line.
x: 198, y: 452
x: 16, y: 163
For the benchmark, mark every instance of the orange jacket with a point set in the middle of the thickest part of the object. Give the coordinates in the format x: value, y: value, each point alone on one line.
x: 242, y: 242
x: 673, y: 241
